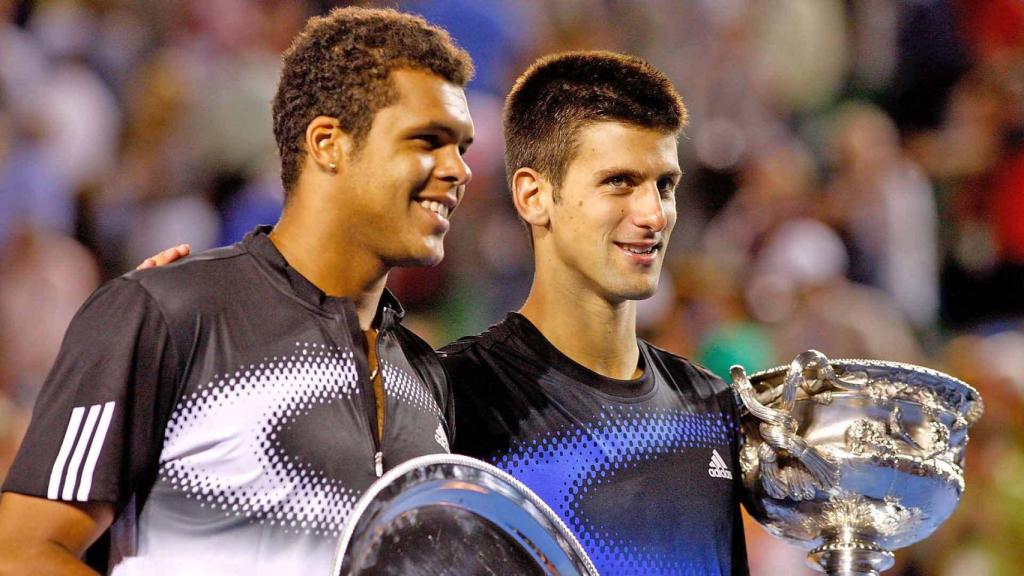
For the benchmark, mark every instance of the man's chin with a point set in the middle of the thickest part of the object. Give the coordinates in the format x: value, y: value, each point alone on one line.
x: 433, y: 252
x: 639, y: 295
x: 433, y: 260
x: 425, y: 257
x: 638, y: 291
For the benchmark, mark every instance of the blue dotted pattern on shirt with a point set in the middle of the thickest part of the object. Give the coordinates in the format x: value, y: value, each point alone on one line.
x: 562, y: 467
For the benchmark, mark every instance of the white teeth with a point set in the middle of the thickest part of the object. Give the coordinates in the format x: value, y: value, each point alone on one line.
x: 435, y: 207
x: 636, y: 250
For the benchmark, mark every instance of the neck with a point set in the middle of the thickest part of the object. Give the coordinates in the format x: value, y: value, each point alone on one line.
x: 597, y: 334
x: 317, y: 248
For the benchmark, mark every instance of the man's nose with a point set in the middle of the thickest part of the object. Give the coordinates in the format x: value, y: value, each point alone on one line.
x: 649, y: 210
x: 452, y: 167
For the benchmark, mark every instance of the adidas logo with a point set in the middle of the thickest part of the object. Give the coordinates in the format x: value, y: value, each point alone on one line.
x: 717, y: 467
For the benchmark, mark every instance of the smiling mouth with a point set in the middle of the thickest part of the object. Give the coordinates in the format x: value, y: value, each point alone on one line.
x: 640, y: 250
x: 436, y: 207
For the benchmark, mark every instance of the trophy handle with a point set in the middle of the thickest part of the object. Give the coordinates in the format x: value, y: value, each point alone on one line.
x: 779, y: 429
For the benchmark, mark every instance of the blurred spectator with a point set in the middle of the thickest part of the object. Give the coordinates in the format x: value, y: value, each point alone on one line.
x: 983, y: 536
x: 33, y: 193
x: 44, y: 278
x: 81, y: 120
x: 885, y: 206
x: 13, y: 424
x: 493, y: 32
x: 777, y: 184
x: 932, y: 57
x: 994, y: 29
x: 259, y: 202
x: 23, y: 65
x: 976, y: 156
x: 798, y: 285
x: 801, y: 51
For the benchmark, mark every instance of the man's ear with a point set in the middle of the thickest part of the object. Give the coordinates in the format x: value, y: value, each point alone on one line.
x: 531, y: 192
x: 326, y: 144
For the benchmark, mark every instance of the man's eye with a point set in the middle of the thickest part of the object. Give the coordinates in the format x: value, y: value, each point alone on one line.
x: 666, y: 186
x: 430, y: 140
x: 617, y: 181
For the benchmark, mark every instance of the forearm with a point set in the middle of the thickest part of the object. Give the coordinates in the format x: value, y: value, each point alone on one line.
x: 41, y: 558
x: 43, y: 537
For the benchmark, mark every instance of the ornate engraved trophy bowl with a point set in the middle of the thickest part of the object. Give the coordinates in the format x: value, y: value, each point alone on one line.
x: 852, y: 459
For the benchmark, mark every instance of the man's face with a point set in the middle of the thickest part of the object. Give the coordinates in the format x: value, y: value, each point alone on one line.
x: 408, y: 177
x: 610, y: 228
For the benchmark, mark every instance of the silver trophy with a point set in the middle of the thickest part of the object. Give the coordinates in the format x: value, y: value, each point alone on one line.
x: 453, y: 515
x: 852, y: 459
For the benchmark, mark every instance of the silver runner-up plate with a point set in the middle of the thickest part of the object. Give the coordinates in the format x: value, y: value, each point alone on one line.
x: 457, y: 516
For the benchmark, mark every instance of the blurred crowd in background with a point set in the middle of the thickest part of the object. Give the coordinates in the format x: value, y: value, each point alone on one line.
x: 854, y: 184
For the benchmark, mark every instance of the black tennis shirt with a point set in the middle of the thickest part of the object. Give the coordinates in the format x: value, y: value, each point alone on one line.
x: 223, y: 404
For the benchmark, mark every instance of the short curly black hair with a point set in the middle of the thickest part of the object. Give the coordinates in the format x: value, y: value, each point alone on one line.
x: 562, y: 93
x: 339, y: 66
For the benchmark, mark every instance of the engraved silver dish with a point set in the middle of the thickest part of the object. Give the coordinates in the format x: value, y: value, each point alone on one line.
x: 454, y: 515
x: 852, y: 459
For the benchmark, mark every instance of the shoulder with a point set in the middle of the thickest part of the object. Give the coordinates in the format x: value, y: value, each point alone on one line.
x: 481, y: 360
x: 205, y: 279
x: 462, y: 347
x: 189, y: 272
x: 474, y: 351
x: 478, y: 344
x: 463, y: 357
x: 684, y: 370
x: 695, y: 382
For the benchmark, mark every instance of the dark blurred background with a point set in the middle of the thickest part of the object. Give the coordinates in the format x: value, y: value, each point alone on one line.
x: 854, y: 183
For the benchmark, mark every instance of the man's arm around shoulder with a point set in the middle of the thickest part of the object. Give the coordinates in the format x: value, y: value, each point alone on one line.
x: 43, y: 537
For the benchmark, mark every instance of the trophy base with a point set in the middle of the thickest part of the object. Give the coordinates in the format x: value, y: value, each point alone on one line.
x: 850, y: 558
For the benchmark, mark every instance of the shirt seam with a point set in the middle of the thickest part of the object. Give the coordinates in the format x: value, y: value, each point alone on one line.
x: 167, y: 326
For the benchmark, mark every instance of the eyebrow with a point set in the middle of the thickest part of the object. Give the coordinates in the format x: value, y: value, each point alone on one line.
x: 635, y: 174
x: 443, y: 128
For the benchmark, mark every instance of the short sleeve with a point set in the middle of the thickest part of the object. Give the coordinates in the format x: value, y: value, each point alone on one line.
x: 97, y: 427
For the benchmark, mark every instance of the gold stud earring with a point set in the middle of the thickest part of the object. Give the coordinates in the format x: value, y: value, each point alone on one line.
x: 333, y: 166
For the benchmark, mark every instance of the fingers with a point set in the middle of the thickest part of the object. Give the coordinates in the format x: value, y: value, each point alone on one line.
x: 166, y: 257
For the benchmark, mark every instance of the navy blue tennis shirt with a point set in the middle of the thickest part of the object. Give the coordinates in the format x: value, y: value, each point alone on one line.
x: 644, y: 472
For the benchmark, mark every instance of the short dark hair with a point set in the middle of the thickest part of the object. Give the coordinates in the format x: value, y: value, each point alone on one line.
x: 560, y: 94
x: 340, y: 65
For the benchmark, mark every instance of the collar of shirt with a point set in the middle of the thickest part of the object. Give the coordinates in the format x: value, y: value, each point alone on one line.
x: 258, y: 243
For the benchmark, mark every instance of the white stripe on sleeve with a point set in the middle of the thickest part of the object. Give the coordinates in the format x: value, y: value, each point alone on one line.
x: 65, y: 449
x: 94, y: 451
x: 76, y: 458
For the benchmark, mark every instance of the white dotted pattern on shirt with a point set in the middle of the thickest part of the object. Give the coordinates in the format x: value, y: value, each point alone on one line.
x: 400, y: 384
x: 222, y: 444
